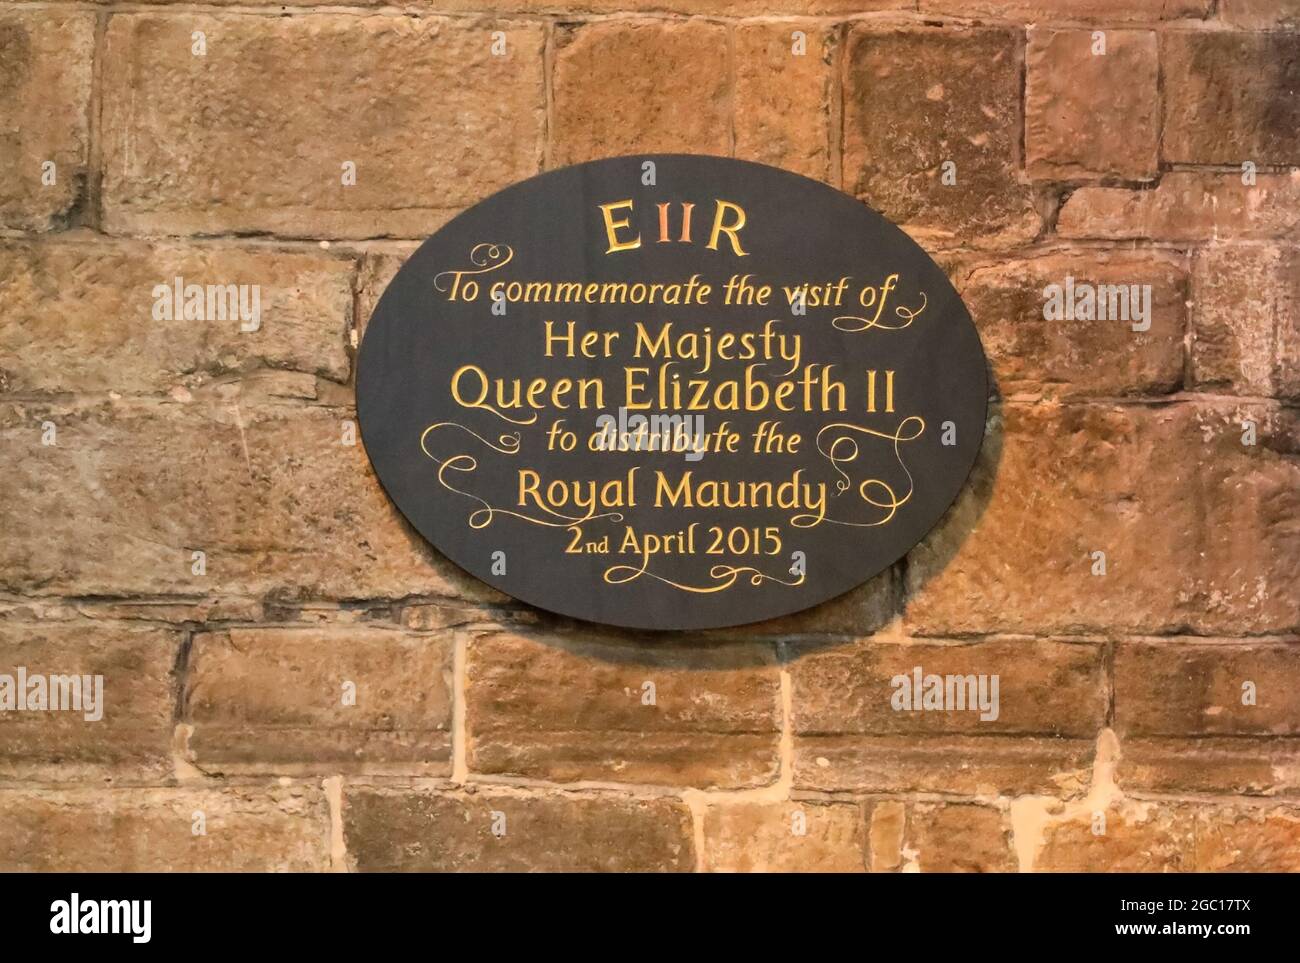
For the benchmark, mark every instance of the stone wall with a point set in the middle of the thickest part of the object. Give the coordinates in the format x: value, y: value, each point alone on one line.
x: 487, y: 735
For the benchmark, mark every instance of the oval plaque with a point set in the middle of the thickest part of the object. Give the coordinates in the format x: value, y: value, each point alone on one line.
x: 671, y: 392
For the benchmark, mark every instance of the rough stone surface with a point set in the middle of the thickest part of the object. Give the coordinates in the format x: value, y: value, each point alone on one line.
x: 1187, y: 206
x: 1062, y: 358
x: 969, y: 765
x: 132, y: 734
x: 1088, y: 114
x: 562, y: 710
x: 278, y: 504
x: 1234, y: 765
x: 918, y: 97
x: 1140, y: 837
x: 1216, y: 689
x: 1110, y: 11
x: 624, y: 87
x: 1246, y: 312
x: 1248, y: 83
x: 1016, y: 551
x: 885, y: 835
x: 285, y: 102
x: 45, y: 73
x: 1254, y: 840
x: 343, y: 700
x: 783, y: 98
x: 506, y: 831
x: 153, y: 830
x: 1260, y: 14
x: 1044, y: 688
x: 1245, y: 581
x: 941, y: 838
x: 570, y: 8
x: 791, y: 837
x: 1156, y: 837
x: 104, y: 325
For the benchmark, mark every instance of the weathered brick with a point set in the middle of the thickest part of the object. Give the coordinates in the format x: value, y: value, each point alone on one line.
x: 946, y: 838
x: 885, y: 835
x: 791, y: 837
x: 1015, y: 553
x: 917, y: 97
x: 1090, y: 115
x: 132, y: 737
x: 1246, y: 331
x: 279, y: 505
x: 566, y: 709
x: 1248, y: 551
x: 1038, y: 11
x: 1230, y: 97
x: 152, y: 830
x: 1181, y: 688
x: 1035, y: 357
x: 1248, y: 840
x: 969, y: 765
x: 1044, y: 688
x: 157, y: 610
x: 1260, y: 13
x: 1230, y: 765
x: 274, y: 699
x: 782, y: 99
x: 563, y: 832
x: 1051, y: 703
x: 734, y: 8
x: 1137, y: 837
x: 1187, y: 206
x: 195, y: 144
x: 97, y: 330
x: 443, y: 5
x: 46, y: 57
x: 429, y: 616
x: 639, y: 86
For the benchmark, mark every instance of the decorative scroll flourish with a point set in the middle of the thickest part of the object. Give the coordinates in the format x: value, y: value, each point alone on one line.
x: 724, y: 575
x: 485, y: 257
x: 507, y: 444
x: 484, y: 406
x: 843, y: 449
x: 853, y: 324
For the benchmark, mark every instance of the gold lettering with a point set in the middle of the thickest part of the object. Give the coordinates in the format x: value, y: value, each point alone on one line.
x: 731, y: 230
x: 612, y: 226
